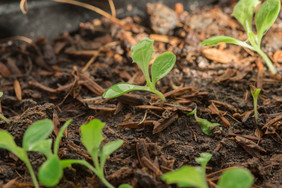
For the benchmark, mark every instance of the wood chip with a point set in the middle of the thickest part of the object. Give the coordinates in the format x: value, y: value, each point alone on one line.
x: 18, y: 90
x: 164, y: 123
x: 219, y: 55
x: 4, y: 71
x: 136, y: 125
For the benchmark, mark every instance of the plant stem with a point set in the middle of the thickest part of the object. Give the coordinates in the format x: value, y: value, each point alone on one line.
x: 267, y: 61
x: 256, y: 108
x: 99, y: 174
x: 32, y: 174
x: 159, y: 94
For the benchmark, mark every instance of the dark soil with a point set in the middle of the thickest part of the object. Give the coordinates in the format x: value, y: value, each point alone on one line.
x: 65, y: 78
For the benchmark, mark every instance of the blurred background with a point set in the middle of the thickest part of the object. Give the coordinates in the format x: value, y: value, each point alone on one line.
x: 49, y: 18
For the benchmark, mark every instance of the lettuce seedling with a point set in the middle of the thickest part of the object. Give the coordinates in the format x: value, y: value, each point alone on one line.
x: 205, y: 125
x: 255, y: 93
x: 264, y: 18
x: 188, y: 176
x: 141, y: 54
x: 34, y: 139
x: 1, y: 115
x: 91, y: 137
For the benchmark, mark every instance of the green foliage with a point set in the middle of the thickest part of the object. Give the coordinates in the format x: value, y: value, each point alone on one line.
x: 33, y: 140
x: 236, y: 178
x: 204, y: 123
x: 141, y: 54
x: 91, y: 137
x: 255, y: 93
x: 264, y: 18
x: 1, y: 115
x: 125, y: 186
x: 188, y: 176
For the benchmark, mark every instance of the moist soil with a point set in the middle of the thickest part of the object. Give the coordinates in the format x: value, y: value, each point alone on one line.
x: 65, y: 79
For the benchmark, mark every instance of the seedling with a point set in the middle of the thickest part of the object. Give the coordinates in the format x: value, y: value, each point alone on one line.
x: 255, y: 93
x: 91, y: 137
x: 141, y: 54
x: 205, y: 125
x: 188, y: 176
x: 1, y: 115
x: 34, y: 139
x: 264, y: 18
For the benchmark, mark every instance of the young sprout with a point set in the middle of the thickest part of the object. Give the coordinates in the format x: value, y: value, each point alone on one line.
x: 255, y: 93
x: 91, y: 137
x: 264, y: 18
x: 1, y: 115
x: 34, y: 139
x: 188, y: 176
x: 141, y: 54
x: 205, y: 125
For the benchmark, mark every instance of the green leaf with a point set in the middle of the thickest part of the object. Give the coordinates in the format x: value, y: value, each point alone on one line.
x: 255, y: 92
x: 91, y: 136
x: 266, y: 16
x: 51, y: 172
x: 7, y: 142
x: 203, y: 159
x: 219, y: 39
x: 43, y: 146
x: 244, y: 11
x: 162, y: 66
x: 141, y: 53
x: 1, y: 94
x: 236, y: 178
x: 108, y: 149
x: 206, y: 125
x: 120, y: 89
x: 186, y: 176
x: 36, y: 132
x: 125, y: 186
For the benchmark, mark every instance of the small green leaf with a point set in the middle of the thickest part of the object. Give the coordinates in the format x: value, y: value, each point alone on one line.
x: 141, y: 53
x: 1, y: 94
x: 7, y: 142
x: 43, y: 146
x: 203, y: 159
x: 255, y: 92
x: 125, y: 186
x: 36, y: 132
x: 91, y: 136
x: 236, y: 178
x: 186, y: 176
x: 266, y: 16
x: 243, y: 12
x: 120, y: 89
x: 162, y: 66
x: 51, y: 172
x: 206, y: 125
x: 108, y: 149
x: 219, y: 39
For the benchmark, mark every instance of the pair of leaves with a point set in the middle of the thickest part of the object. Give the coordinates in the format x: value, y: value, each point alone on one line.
x: 188, y: 176
x: 205, y: 125
x: 141, y: 54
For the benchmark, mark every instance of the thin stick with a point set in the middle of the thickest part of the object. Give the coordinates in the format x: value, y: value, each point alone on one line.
x: 219, y: 171
x: 23, y: 6
x: 93, y: 8
x: 112, y: 6
x: 22, y: 38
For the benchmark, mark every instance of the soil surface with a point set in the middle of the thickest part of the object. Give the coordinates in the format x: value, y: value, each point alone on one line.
x: 65, y: 78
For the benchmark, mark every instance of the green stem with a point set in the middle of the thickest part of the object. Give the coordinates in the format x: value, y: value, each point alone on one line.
x: 159, y: 94
x: 4, y: 118
x: 32, y: 174
x: 256, y: 108
x: 98, y: 173
x: 267, y: 61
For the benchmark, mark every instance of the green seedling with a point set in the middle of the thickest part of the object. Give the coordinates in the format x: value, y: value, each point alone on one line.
x: 1, y: 115
x: 264, y: 18
x: 91, y: 137
x: 141, y: 54
x: 255, y: 93
x: 34, y: 139
x: 188, y: 176
x: 205, y: 125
